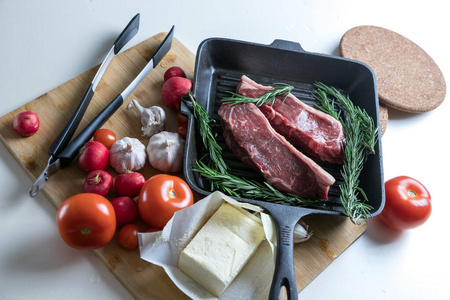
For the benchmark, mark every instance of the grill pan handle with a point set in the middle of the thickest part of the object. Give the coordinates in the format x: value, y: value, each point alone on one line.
x: 287, y: 45
x: 284, y: 275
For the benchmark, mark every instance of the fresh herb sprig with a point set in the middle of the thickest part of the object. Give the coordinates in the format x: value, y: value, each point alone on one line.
x: 266, y: 98
x: 241, y: 187
x: 209, y: 141
x: 357, y: 115
x: 219, y: 177
x: 361, y: 137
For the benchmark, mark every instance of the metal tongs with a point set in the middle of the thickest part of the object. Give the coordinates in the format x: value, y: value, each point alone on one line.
x: 61, y: 152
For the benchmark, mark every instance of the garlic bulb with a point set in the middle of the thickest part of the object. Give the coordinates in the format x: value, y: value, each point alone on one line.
x: 127, y: 154
x: 165, y: 151
x: 153, y: 118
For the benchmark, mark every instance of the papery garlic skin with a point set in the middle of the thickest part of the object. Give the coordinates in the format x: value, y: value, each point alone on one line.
x: 127, y: 154
x: 165, y: 151
x: 153, y: 118
x: 301, y: 233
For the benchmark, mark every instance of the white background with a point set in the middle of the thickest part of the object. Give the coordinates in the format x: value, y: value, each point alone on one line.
x: 45, y: 43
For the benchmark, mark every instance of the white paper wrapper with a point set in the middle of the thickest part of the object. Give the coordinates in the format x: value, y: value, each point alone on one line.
x: 163, y: 248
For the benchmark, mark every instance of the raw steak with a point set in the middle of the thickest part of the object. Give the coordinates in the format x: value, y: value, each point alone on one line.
x: 252, y: 139
x: 313, y: 131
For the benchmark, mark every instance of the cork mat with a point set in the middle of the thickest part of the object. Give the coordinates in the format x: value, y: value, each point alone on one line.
x: 408, y: 78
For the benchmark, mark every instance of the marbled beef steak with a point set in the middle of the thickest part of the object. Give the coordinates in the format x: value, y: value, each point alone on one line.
x: 313, y: 131
x: 252, y: 139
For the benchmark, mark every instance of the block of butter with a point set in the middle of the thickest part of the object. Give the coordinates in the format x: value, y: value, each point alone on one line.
x: 221, y: 248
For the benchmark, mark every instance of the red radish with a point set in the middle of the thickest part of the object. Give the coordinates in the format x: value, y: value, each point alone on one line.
x: 26, y: 123
x: 172, y: 91
x: 174, y: 72
x: 98, y: 182
x: 126, y: 210
x: 129, y: 184
x: 94, y: 156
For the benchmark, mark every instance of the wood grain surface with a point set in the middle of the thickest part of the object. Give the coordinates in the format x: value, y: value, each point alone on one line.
x: 331, y: 234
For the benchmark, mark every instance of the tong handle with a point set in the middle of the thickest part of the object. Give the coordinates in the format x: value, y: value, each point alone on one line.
x: 71, y: 151
x: 127, y: 34
x: 67, y: 132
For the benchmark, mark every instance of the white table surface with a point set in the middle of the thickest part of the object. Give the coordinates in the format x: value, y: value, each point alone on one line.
x: 45, y: 43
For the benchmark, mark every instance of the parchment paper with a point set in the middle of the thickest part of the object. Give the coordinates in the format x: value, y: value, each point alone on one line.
x: 163, y: 248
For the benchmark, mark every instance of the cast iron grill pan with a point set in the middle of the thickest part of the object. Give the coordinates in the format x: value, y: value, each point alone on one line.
x: 220, y: 63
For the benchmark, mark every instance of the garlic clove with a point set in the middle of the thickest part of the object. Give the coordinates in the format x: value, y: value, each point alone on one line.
x: 301, y: 233
x: 153, y: 118
x: 153, y: 121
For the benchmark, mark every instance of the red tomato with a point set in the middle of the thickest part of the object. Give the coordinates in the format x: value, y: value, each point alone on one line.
x: 183, y: 122
x: 128, y: 236
x: 86, y: 221
x: 161, y: 196
x: 408, y: 203
x: 182, y: 131
x: 105, y: 136
x: 182, y: 119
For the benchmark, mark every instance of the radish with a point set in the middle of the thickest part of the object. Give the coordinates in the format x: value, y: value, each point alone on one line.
x: 126, y: 210
x: 94, y: 156
x: 174, y: 72
x: 26, y: 123
x: 98, y: 182
x: 129, y: 184
x: 173, y: 89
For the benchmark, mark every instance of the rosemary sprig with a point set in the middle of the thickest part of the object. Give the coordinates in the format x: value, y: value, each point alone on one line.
x: 217, y: 172
x: 369, y: 132
x: 209, y: 141
x: 266, y: 98
x: 361, y: 137
x: 241, y: 187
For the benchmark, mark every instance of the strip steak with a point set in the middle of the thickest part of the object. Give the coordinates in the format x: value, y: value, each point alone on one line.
x: 313, y: 131
x: 252, y: 139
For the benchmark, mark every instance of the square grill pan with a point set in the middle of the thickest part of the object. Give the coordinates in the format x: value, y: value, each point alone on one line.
x: 220, y: 63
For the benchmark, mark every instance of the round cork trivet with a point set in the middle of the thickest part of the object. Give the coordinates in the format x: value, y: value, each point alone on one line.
x: 384, y: 116
x: 408, y: 79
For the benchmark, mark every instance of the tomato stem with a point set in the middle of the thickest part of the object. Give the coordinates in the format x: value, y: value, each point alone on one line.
x: 85, y: 230
x: 172, y: 194
x: 411, y: 193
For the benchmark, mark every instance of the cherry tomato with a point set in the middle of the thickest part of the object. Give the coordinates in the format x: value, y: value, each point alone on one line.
x: 86, y: 221
x: 182, y: 131
x: 161, y: 196
x: 105, y: 136
x: 408, y: 203
x: 182, y: 119
x: 128, y: 236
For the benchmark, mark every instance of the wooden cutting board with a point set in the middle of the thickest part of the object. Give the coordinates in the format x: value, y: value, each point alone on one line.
x: 332, y: 234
